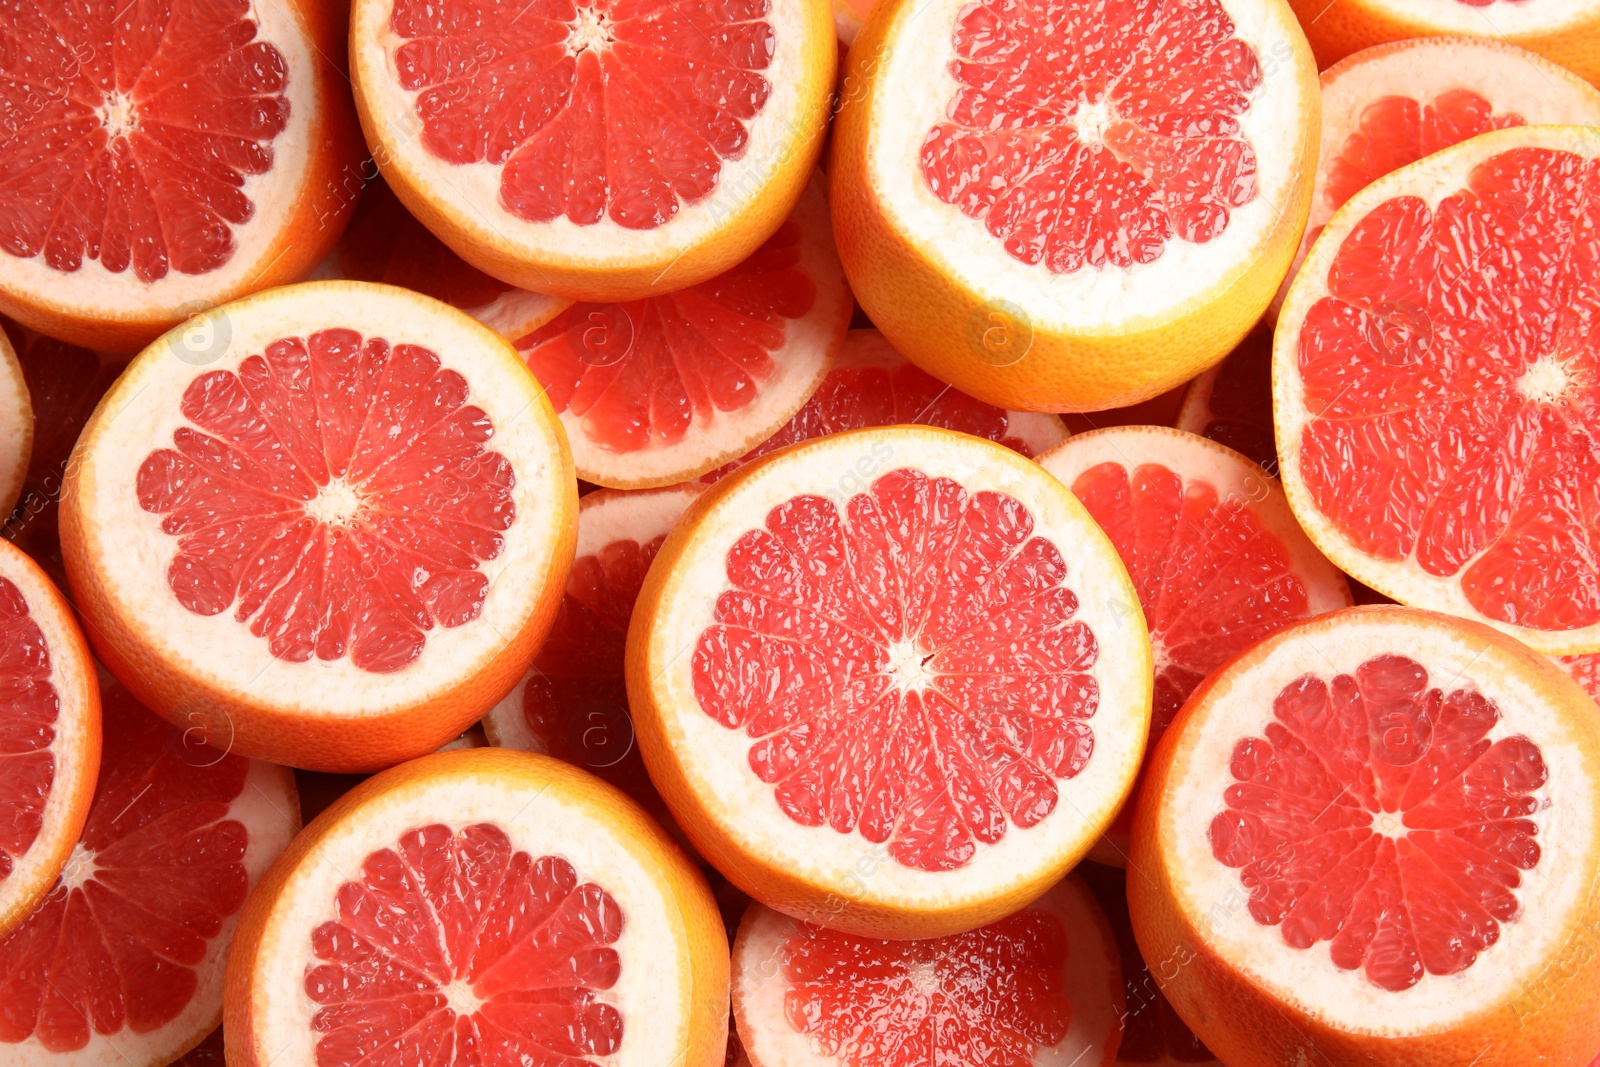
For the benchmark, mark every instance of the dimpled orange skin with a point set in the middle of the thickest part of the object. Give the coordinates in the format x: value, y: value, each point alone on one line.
x: 328, y: 195
x: 956, y: 335
x: 740, y: 233
x: 1551, y: 1021
x: 702, y: 941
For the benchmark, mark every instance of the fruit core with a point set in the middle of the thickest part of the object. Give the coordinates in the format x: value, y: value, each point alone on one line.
x: 29, y: 708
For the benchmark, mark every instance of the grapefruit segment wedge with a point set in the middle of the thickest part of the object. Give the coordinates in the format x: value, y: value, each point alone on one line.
x: 1212, y: 548
x: 1375, y: 834
x: 1042, y: 987
x: 340, y: 542
x: 1435, y: 392
x: 480, y: 907
x: 16, y: 426
x: 891, y: 680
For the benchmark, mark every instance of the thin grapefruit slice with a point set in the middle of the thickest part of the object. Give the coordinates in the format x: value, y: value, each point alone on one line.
x: 893, y: 680
x: 49, y: 734
x: 16, y: 426
x: 657, y: 391
x: 1436, y: 377
x: 1064, y: 207
x: 1232, y: 402
x: 338, y: 541
x: 480, y: 908
x: 602, y: 150
x: 166, y: 158
x: 1376, y: 835
x: 122, y: 963
x: 1213, y: 550
x: 1041, y: 988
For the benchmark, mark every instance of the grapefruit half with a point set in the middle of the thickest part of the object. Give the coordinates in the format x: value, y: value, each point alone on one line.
x: 1041, y: 988
x: 597, y: 150
x: 1436, y: 378
x: 894, y: 681
x: 16, y: 426
x: 1213, y: 550
x: 1374, y: 838
x: 480, y: 907
x: 338, y: 540
x: 1064, y: 207
x: 165, y: 158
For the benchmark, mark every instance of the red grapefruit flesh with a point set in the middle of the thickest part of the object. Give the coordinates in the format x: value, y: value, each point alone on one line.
x: 1586, y: 669
x: 1232, y: 402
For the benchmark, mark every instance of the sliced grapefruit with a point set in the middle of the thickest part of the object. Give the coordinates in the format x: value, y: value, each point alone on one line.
x: 49, y: 734
x: 1213, y: 551
x: 848, y: 17
x: 1232, y: 402
x: 339, y: 541
x: 16, y: 426
x: 166, y: 158
x: 1064, y: 207
x: 1586, y: 669
x: 893, y: 680
x: 1436, y: 377
x: 1374, y: 838
x: 122, y: 963
x: 1042, y: 987
x: 657, y: 391
x: 602, y: 150
x: 480, y: 908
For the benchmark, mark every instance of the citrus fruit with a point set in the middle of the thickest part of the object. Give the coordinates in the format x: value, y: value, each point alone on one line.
x: 165, y: 158
x: 1435, y: 371
x: 1232, y: 402
x: 1211, y: 546
x: 1041, y: 987
x: 49, y: 733
x: 848, y: 15
x: 1586, y: 669
x: 603, y: 150
x: 895, y: 681
x: 122, y: 963
x: 1390, y: 105
x: 16, y: 426
x: 1374, y: 839
x: 331, y: 521
x: 481, y: 907
x: 660, y: 390
x: 873, y: 385
x: 1064, y: 207
x: 385, y: 243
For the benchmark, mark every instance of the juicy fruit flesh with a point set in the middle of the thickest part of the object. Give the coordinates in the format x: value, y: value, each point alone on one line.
x: 29, y: 707
x: 1377, y: 815
x: 455, y: 949
x: 991, y: 997
x: 158, y: 871
x: 624, y: 109
x: 1452, y: 377
x: 385, y: 243
x: 338, y: 491
x: 136, y: 131
x: 1586, y: 669
x: 1087, y: 137
x: 908, y: 666
x: 646, y: 373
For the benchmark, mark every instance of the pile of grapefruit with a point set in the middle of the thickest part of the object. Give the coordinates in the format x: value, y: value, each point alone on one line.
x: 785, y: 533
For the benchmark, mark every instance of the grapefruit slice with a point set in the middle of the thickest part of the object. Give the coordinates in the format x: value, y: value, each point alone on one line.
x: 166, y: 158
x: 1232, y: 402
x: 1435, y: 376
x: 122, y: 963
x: 1063, y: 207
x: 1351, y: 843
x: 385, y: 243
x: 1213, y: 550
x: 480, y: 907
x: 657, y: 391
x: 49, y: 734
x: 339, y: 542
x: 892, y: 680
x: 873, y: 385
x: 16, y: 426
x: 1042, y: 987
x: 603, y: 150
x: 1586, y: 669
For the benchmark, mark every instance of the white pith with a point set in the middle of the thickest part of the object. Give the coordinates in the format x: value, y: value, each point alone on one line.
x: 1432, y: 179
x: 1092, y: 984
x: 917, y: 56
x: 1503, y: 18
x: 338, y: 503
x: 79, y: 868
x: 117, y: 114
x: 16, y: 427
x: 92, y: 292
x: 604, y: 516
x: 1212, y: 898
x: 128, y: 548
x: 1547, y: 381
x: 714, y: 759
x: 591, y: 30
